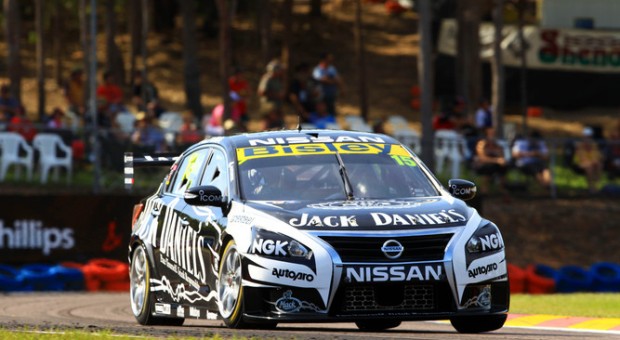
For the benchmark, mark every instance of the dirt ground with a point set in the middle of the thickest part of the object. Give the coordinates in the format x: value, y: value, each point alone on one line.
x: 536, y: 230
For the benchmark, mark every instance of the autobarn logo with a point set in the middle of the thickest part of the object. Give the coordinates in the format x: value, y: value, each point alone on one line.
x: 307, y: 220
x: 482, y: 270
x: 268, y: 247
x: 404, y: 273
x: 291, y: 274
x: 491, y: 242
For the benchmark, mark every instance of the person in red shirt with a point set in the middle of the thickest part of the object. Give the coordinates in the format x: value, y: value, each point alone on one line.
x: 22, y: 125
x: 110, y: 91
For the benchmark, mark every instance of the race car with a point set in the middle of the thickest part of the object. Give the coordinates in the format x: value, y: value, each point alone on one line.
x: 312, y: 226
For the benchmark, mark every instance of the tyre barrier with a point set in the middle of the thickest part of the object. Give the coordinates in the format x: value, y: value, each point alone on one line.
x: 516, y: 279
x: 605, y: 277
x: 573, y: 279
x: 540, y: 279
x: 95, y: 275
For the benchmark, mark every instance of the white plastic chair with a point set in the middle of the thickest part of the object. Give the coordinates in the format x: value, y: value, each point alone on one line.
x: 11, y: 144
x: 48, y: 144
x: 126, y: 121
x: 170, y: 123
x: 450, y: 147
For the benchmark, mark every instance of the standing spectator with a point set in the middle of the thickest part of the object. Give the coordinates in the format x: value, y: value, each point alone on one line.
x: 589, y: 159
x: 484, y: 116
x: 74, y: 92
x: 329, y: 79
x: 489, y: 160
x: 111, y: 92
x: 271, y: 88
x: 22, y: 125
x: 143, y: 92
x: 8, y: 105
x: 240, y: 86
x: 303, y: 92
x: 531, y: 156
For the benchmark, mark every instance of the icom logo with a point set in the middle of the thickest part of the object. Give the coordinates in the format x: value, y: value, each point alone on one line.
x: 392, y: 249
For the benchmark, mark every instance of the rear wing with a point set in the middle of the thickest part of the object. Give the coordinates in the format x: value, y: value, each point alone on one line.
x: 132, y: 161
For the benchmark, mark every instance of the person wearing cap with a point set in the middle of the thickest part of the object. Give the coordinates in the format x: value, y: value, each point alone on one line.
x: 589, y: 159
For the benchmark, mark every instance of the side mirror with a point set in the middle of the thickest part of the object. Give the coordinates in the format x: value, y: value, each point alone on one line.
x: 462, y: 189
x: 204, y: 196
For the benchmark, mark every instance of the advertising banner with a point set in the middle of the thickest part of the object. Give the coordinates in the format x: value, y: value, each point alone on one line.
x: 574, y: 50
x: 56, y: 228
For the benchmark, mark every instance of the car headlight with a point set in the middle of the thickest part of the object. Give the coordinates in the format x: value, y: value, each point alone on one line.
x: 486, y: 239
x: 270, y: 244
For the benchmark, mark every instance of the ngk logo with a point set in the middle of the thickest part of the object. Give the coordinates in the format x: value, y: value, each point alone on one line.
x: 269, y: 247
x: 29, y: 234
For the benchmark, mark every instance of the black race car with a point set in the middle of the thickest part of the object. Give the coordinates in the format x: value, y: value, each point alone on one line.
x: 312, y: 226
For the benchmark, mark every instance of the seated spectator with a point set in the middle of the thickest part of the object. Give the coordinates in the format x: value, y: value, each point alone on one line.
x: 22, y: 125
x: 321, y: 117
x: 216, y: 125
x: 111, y: 92
x: 57, y: 119
x: 148, y: 136
x: 189, y: 132
x: 589, y: 159
x: 531, y: 156
x: 489, y: 160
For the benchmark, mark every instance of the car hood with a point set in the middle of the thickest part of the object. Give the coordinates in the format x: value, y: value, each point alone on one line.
x: 368, y: 214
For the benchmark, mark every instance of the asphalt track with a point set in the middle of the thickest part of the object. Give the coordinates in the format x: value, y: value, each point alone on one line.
x: 110, y: 311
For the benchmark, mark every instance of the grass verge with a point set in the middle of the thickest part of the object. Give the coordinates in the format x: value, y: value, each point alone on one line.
x: 597, y: 305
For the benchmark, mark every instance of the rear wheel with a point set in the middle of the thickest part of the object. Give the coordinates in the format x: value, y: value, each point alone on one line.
x: 142, y: 300
x: 478, y: 324
x: 376, y: 325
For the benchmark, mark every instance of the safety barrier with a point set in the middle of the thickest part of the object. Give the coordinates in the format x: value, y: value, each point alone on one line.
x: 95, y: 275
x: 544, y: 279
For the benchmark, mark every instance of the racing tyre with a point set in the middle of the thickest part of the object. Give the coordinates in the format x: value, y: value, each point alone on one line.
x: 142, y: 300
x: 230, y: 290
x: 478, y: 324
x: 376, y: 325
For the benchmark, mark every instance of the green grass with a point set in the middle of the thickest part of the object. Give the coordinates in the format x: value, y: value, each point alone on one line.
x: 578, y: 304
x: 33, y: 333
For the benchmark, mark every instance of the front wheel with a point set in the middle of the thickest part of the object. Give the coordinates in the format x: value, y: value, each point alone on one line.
x: 230, y: 290
x: 376, y: 325
x: 142, y: 300
x: 478, y: 324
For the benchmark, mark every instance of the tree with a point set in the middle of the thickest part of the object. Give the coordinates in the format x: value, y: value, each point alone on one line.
x: 12, y: 29
x: 361, y: 63
x: 287, y: 21
x: 469, y: 67
x: 315, y: 8
x: 264, y: 29
x: 114, y: 58
x: 225, y: 54
x: 498, y: 72
x: 40, y: 58
x: 135, y: 31
x: 425, y: 78
x: 191, y: 71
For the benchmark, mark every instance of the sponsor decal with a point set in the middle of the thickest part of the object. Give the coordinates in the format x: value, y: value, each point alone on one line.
x: 268, y: 247
x: 291, y: 274
x: 491, y: 242
x: 194, y: 312
x: 180, y: 312
x: 208, y: 198
x: 289, y: 304
x: 162, y: 308
x: 179, y: 292
x: 310, y: 139
x: 324, y: 221
x: 394, y: 273
x: 460, y: 191
x: 482, y: 270
x: 482, y: 300
x: 441, y: 217
x: 268, y: 151
x: 392, y: 249
x: 369, y: 204
x: 242, y: 219
x: 30, y: 234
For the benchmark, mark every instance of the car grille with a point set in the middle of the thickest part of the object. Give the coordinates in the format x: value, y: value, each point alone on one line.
x: 368, y: 249
x: 372, y: 298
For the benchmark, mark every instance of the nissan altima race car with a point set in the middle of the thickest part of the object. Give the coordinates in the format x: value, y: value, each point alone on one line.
x: 312, y: 226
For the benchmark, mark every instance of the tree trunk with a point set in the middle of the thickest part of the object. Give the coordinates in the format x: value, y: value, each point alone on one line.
x: 316, y: 10
x: 425, y: 79
x: 469, y: 67
x: 58, y: 38
x: 498, y: 71
x: 12, y: 29
x: 287, y: 21
x: 264, y: 29
x: 361, y: 60
x: 114, y: 59
x: 40, y: 59
x: 522, y: 55
x: 84, y: 40
x: 135, y: 31
x: 225, y: 54
x: 191, y: 72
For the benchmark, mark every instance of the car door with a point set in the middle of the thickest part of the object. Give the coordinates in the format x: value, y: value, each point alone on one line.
x: 176, y: 261
x: 209, y: 221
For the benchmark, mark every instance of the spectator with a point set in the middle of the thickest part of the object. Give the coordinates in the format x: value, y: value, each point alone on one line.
x: 147, y: 136
x: 303, y: 92
x: 22, y: 125
x: 589, y: 159
x: 56, y: 119
x: 111, y: 92
x: 143, y: 92
x: 271, y: 88
x: 531, y: 156
x: 189, y: 132
x: 612, y: 153
x: 216, y: 126
x: 489, y: 160
x: 240, y: 86
x: 484, y: 116
x: 451, y: 110
x: 330, y: 81
x: 8, y: 105
x: 74, y: 92
x: 321, y: 117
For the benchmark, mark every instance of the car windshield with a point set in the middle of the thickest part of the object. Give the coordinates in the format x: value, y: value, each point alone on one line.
x: 282, y: 176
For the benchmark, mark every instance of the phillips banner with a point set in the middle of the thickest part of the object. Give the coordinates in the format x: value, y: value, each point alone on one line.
x: 56, y: 228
